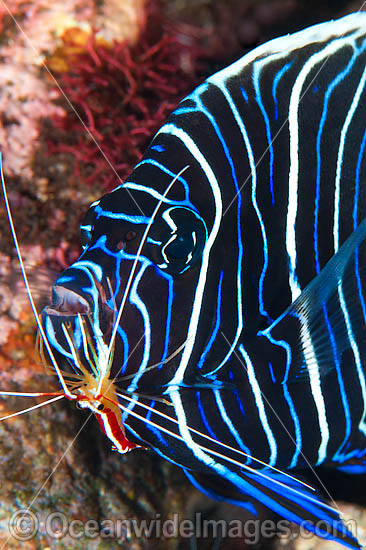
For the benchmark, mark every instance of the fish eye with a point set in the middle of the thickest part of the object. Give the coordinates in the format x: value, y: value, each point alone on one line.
x: 182, y: 237
x: 180, y: 246
x: 100, y: 407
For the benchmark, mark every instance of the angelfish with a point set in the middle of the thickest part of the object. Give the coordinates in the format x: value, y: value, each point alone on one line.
x: 217, y: 313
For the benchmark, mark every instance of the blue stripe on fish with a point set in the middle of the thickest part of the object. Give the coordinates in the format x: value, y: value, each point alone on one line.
x: 221, y: 291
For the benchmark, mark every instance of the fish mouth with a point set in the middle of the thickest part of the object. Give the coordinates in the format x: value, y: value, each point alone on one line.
x: 66, y: 302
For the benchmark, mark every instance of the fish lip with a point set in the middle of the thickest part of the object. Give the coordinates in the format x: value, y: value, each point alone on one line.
x: 51, y: 311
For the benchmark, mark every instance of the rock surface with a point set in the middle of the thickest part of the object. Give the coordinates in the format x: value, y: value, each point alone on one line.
x: 60, y: 483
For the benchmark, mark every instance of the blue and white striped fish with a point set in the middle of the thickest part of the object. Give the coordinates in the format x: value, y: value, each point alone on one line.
x: 217, y: 314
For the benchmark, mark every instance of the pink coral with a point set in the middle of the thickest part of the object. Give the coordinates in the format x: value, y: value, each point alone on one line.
x: 33, y: 30
x: 24, y: 98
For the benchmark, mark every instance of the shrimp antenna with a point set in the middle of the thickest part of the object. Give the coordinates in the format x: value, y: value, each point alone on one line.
x: 209, y: 438
x: 26, y: 282
x: 160, y: 363
x: 29, y: 409
x: 134, y: 265
x: 259, y: 473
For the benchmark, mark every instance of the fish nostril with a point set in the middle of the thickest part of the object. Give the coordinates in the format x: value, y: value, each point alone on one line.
x: 66, y: 301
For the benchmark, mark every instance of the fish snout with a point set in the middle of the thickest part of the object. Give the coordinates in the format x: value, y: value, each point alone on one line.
x: 67, y: 302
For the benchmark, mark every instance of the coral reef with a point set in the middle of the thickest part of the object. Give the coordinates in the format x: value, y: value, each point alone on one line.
x: 25, y: 96
x: 124, y: 66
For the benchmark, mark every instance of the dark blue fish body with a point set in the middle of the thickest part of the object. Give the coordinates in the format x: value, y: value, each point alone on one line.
x: 238, y: 242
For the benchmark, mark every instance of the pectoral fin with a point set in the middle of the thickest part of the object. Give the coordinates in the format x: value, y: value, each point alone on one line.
x: 328, y: 317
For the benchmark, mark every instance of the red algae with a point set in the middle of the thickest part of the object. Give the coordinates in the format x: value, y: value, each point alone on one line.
x: 121, y: 93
